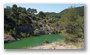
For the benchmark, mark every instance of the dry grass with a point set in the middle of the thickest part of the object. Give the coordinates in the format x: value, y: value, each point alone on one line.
x: 79, y: 45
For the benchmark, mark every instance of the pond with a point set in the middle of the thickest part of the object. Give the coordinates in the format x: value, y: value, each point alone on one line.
x: 33, y: 41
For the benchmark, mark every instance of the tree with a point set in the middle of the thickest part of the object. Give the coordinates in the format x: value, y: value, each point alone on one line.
x: 71, y: 23
x: 29, y: 10
x: 36, y: 32
x: 32, y: 11
x: 23, y: 10
x: 41, y: 14
x: 14, y: 8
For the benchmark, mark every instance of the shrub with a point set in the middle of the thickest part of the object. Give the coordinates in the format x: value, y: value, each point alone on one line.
x: 68, y: 37
x: 23, y: 35
x: 36, y: 32
x: 46, y: 41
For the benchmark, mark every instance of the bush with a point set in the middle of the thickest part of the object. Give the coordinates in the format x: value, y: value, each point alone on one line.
x: 28, y: 35
x: 13, y: 31
x: 60, y: 41
x: 23, y: 35
x: 46, y: 41
x: 36, y: 32
x: 80, y: 35
x: 68, y: 37
x: 10, y: 31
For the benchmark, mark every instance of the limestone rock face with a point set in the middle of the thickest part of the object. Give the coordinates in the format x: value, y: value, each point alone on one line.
x: 8, y: 38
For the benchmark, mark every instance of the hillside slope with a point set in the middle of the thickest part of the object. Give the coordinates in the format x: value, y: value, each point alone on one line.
x: 20, y: 22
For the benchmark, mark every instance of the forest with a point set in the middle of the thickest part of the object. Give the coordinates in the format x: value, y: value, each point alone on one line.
x: 20, y: 23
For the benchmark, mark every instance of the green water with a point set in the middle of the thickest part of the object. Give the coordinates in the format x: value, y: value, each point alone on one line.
x: 32, y: 41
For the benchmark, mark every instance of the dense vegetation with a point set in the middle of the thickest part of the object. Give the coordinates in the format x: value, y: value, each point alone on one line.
x: 72, y: 23
x: 20, y: 22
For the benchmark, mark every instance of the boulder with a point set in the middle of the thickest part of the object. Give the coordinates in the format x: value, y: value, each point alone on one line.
x: 8, y: 38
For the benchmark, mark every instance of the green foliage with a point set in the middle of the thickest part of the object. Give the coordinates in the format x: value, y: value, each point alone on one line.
x: 32, y: 11
x: 68, y: 37
x: 36, y: 32
x: 14, y: 31
x: 14, y: 8
x: 41, y: 14
x: 72, y: 23
x: 29, y: 10
x: 61, y: 41
x: 11, y: 31
x: 46, y: 41
x: 80, y: 11
x: 25, y: 35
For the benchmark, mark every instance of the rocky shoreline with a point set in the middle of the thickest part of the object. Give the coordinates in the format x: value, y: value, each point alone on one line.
x: 55, y: 45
